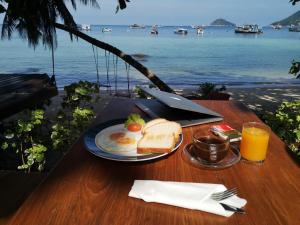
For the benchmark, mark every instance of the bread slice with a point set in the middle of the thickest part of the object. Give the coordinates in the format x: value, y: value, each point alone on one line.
x: 152, y: 123
x: 156, y: 143
x: 166, y: 127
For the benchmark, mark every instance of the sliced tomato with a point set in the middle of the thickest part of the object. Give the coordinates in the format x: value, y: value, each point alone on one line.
x: 134, y: 127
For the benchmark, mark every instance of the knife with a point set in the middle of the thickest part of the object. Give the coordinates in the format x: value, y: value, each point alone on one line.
x: 232, y: 208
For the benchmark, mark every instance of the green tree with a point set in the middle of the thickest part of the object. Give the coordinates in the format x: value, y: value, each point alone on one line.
x: 37, y: 20
x: 295, y: 68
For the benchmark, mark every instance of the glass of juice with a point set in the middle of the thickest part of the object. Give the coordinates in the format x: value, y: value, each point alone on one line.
x: 255, y: 140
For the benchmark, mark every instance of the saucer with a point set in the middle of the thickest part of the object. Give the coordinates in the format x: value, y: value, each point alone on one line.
x: 231, y: 158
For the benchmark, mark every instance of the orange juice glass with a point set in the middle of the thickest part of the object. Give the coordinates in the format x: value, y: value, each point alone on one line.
x: 255, y: 140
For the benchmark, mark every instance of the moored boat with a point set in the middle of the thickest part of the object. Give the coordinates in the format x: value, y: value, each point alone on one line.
x: 277, y: 27
x: 154, y: 30
x: 294, y: 28
x: 200, y: 30
x: 248, y: 29
x: 136, y: 26
x: 105, y: 29
x: 85, y: 27
x: 181, y: 31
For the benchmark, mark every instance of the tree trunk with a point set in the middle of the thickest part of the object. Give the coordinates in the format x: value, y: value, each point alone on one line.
x: 127, y: 58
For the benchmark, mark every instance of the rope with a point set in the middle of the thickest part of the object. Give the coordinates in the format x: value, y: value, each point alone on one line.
x: 127, y: 66
x: 96, y: 59
x: 115, y: 63
x: 53, y: 63
x: 107, y: 56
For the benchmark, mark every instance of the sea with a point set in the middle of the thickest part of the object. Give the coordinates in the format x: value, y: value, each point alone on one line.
x: 182, y: 61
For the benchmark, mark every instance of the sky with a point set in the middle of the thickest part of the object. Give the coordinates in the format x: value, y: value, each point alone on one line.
x: 184, y: 12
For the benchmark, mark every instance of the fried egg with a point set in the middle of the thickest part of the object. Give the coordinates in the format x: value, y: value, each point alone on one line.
x: 118, y: 140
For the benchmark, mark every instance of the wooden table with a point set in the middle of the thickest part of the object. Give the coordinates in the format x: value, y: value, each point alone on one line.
x: 85, y: 189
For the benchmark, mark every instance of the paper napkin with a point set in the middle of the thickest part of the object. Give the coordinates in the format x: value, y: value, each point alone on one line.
x: 186, y: 195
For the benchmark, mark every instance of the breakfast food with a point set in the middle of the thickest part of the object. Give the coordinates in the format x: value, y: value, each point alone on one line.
x: 156, y: 143
x: 165, y: 127
x: 118, y: 140
x: 151, y: 123
x: 136, y: 137
x: 159, y: 136
x: 134, y: 122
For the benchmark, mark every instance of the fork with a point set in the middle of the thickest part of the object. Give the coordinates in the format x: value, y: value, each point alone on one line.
x: 224, y: 194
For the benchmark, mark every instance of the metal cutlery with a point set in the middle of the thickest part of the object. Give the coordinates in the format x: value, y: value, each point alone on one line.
x: 232, y: 208
x: 224, y: 194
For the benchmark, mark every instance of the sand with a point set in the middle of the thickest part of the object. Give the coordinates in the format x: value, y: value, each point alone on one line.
x: 260, y: 100
x: 264, y: 100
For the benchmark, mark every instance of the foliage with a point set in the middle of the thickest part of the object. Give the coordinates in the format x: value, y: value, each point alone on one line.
x: 134, y: 118
x: 294, y: 1
x: 30, y: 138
x: 286, y: 124
x: 207, y: 88
x: 140, y: 93
x: 78, y: 93
x: 295, y: 69
x: 23, y: 136
x: 75, y: 114
x: 35, y: 19
x: 292, y: 19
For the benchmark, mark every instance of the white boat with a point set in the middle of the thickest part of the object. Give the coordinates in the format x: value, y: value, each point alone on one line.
x: 248, y: 29
x: 277, y: 27
x: 200, y: 30
x: 181, y: 31
x: 294, y: 28
x: 85, y: 27
x: 105, y: 29
x: 154, y: 30
x: 136, y: 26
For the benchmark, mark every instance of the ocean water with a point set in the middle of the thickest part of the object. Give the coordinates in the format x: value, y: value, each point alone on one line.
x: 219, y: 56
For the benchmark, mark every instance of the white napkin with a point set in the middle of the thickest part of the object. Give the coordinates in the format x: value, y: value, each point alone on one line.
x: 186, y: 195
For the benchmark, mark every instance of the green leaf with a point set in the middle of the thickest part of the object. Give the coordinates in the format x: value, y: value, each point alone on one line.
x: 4, y: 145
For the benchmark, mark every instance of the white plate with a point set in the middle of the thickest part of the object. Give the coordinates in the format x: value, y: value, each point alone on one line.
x: 93, y: 140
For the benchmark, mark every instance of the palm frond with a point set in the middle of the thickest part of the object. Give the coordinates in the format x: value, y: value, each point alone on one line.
x: 34, y: 19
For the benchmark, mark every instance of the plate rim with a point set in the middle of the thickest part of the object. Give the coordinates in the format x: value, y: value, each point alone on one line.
x: 90, y: 145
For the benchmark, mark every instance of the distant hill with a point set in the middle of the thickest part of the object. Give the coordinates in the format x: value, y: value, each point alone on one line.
x: 293, y: 19
x: 222, y: 22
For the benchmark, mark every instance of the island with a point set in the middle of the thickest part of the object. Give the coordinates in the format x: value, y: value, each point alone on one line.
x: 222, y: 22
x: 293, y: 19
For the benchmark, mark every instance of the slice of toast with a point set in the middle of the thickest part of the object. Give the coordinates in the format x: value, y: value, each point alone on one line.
x: 152, y: 123
x: 156, y: 143
x: 165, y: 127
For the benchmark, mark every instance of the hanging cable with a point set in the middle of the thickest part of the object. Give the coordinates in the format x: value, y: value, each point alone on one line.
x: 127, y: 67
x: 107, y: 56
x: 96, y: 59
x: 52, y: 80
x: 115, y: 63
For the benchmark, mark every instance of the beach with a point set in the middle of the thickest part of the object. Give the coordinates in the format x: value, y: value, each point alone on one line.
x: 264, y: 100
x: 260, y: 100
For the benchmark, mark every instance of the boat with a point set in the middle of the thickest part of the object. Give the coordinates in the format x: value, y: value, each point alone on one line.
x: 154, y: 30
x: 136, y: 26
x: 277, y: 27
x: 294, y: 28
x: 181, y: 31
x: 105, y: 29
x: 248, y: 29
x: 85, y: 27
x: 200, y: 30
